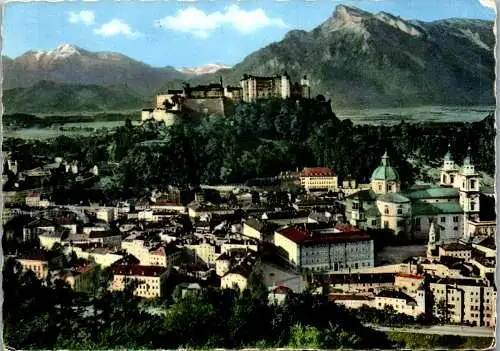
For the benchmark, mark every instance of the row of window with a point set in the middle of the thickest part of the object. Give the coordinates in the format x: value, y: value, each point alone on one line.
x: 389, y: 187
x: 34, y: 268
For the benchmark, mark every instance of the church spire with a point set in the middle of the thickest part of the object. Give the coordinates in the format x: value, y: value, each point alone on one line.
x: 447, y: 156
x: 431, y: 244
x: 385, y: 159
x: 468, y: 158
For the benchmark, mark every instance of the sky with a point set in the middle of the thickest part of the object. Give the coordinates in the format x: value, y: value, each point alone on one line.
x: 194, y: 33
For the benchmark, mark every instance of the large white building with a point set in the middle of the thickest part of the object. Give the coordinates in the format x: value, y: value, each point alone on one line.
x: 338, y: 249
x: 318, y: 178
x: 150, y: 279
x: 469, y: 301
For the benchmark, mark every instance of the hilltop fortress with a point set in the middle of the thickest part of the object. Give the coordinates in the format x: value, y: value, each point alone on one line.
x: 217, y: 99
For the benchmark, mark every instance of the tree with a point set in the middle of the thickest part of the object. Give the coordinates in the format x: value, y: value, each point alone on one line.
x: 305, y: 337
x: 442, y: 311
x: 256, y: 286
x: 192, y: 313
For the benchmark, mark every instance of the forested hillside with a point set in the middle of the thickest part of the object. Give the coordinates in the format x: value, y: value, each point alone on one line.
x: 260, y: 140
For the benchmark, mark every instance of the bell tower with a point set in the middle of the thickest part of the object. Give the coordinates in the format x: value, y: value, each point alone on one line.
x: 449, y: 171
x: 469, y: 191
x: 433, y: 237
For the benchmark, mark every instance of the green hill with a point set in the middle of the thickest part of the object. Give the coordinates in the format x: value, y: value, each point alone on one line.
x: 50, y: 97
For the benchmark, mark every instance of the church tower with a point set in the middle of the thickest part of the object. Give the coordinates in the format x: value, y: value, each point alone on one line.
x: 433, y: 237
x: 469, y: 191
x: 449, y: 171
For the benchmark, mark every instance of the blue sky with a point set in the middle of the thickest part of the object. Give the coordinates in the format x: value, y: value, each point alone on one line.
x: 178, y: 34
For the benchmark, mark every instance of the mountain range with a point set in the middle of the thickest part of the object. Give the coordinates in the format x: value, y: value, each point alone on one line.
x: 47, y: 97
x: 355, y: 58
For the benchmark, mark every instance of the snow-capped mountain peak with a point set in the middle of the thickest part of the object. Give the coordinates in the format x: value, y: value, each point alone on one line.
x: 62, y: 51
x: 205, y: 69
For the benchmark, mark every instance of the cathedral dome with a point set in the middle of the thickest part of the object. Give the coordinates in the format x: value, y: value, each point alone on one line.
x: 385, y: 171
x: 448, y: 157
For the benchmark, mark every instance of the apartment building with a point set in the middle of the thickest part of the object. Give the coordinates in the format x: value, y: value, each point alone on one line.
x: 457, y: 250
x: 318, y: 178
x: 468, y: 301
x: 150, y: 279
x: 35, y: 260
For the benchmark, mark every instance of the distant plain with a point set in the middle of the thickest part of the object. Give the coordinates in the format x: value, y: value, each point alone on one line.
x: 374, y: 116
x: 434, y: 114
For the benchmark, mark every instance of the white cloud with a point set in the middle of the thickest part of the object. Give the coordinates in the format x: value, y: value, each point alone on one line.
x: 488, y: 3
x: 85, y: 17
x: 201, y: 24
x: 116, y: 27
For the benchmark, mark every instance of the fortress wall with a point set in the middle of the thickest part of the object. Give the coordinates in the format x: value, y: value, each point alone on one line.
x: 205, y: 105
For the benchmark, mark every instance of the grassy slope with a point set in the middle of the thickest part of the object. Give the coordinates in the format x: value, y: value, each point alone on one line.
x: 429, y: 342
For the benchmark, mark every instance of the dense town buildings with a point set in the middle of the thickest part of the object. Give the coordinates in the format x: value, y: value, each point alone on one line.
x: 323, y: 233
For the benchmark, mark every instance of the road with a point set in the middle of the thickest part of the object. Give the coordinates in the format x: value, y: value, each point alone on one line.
x: 442, y: 330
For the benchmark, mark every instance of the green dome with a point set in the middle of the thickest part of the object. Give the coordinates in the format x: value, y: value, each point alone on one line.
x: 468, y: 158
x: 448, y: 156
x: 385, y: 171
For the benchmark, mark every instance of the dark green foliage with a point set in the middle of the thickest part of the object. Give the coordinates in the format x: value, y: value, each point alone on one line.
x: 54, y: 316
x: 386, y: 317
x: 258, y: 140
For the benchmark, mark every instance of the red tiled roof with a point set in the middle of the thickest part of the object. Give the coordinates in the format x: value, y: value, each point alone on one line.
x: 411, y: 276
x: 138, y: 270
x: 83, y: 269
x: 165, y: 250
x: 282, y: 290
x: 316, y: 172
x: 34, y: 194
x: 300, y: 236
x: 346, y: 228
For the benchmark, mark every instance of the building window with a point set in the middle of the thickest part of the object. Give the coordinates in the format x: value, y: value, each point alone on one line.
x: 386, y: 224
x: 455, y: 219
x: 386, y: 210
x: 379, y: 187
x: 400, y: 211
x: 443, y: 219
